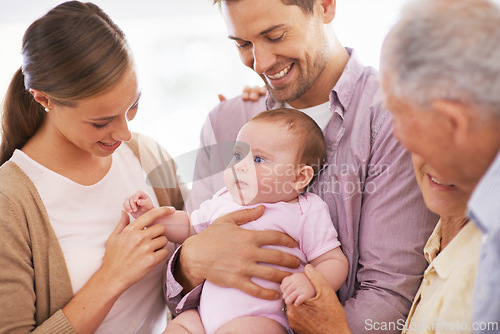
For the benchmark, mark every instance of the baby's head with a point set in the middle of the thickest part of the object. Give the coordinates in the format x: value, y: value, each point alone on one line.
x: 276, y: 155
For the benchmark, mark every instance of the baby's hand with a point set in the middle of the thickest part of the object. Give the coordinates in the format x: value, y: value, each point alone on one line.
x: 297, y: 289
x: 138, y: 204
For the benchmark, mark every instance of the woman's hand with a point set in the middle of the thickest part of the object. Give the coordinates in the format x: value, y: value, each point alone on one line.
x: 134, y: 249
x: 321, y: 314
x: 229, y: 256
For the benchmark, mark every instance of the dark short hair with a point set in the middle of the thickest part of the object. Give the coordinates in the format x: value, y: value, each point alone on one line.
x: 307, y: 6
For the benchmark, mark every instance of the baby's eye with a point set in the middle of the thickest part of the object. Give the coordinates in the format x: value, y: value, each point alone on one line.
x: 258, y: 160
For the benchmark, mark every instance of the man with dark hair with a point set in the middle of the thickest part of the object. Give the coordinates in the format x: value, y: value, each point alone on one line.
x: 367, y: 181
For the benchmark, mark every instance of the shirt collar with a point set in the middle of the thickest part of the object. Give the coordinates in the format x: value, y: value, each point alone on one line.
x: 343, y: 89
x: 433, y: 244
x: 346, y: 85
x: 483, y: 204
x: 445, y: 261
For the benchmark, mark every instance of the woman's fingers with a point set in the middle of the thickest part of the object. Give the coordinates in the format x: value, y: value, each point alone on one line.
x: 124, y: 222
x: 149, y: 217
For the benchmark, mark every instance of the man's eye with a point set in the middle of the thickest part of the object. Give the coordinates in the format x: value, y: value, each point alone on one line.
x: 277, y: 39
x: 241, y: 45
x: 237, y: 156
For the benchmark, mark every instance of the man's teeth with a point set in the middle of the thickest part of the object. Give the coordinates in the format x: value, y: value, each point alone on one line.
x: 281, y: 74
x: 437, y: 182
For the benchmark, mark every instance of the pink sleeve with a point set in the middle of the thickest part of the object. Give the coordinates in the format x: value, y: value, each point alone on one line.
x: 318, y: 234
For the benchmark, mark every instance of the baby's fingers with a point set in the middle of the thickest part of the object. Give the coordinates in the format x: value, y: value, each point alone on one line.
x: 300, y: 299
x: 290, y: 297
x: 133, y: 204
x: 127, y: 205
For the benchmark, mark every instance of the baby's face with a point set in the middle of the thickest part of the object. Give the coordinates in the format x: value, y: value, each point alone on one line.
x: 264, y: 164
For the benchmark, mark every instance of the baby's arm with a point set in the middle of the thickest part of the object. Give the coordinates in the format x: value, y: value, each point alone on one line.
x: 333, y: 265
x: 177, y: 225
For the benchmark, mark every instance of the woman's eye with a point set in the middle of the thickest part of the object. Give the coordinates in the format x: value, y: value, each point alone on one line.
x: 258, y: 160
x: 135, y: 106
x: 100, y: 126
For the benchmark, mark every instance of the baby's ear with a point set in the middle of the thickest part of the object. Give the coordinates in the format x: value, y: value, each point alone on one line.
x: 303, y: 177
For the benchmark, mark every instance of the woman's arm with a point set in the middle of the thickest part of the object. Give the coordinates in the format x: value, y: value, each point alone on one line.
x: 132, y: 251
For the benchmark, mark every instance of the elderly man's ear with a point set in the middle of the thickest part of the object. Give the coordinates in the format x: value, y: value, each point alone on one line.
x: 455, y: 117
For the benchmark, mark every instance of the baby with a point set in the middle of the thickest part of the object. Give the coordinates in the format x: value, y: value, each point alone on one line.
x: 276, y: 155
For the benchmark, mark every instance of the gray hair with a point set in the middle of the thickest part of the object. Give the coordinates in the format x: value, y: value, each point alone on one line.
x: 445, y: 49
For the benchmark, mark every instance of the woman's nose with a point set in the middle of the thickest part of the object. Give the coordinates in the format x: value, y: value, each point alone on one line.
x: 122, y: 132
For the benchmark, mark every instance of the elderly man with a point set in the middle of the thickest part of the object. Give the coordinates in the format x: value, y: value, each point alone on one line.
x: 440, y: 70
x: 368, y: 181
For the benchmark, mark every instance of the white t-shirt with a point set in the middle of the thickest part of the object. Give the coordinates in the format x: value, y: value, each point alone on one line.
x: 83, y: 217
x: 321, y: 113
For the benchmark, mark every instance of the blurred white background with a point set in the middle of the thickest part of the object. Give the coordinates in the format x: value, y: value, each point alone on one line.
x: 184, y: 58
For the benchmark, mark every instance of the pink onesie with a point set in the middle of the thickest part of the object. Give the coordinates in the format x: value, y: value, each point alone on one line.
x: 307, y: 221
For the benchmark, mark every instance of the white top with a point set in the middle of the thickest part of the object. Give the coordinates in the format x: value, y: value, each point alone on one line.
x: 321, y: 113
x: 82, y: 226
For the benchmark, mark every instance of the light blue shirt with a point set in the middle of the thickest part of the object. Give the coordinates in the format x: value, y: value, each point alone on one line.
x: 484, y: 210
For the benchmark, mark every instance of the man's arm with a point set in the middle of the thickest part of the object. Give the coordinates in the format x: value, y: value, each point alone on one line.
x: 394, y: 227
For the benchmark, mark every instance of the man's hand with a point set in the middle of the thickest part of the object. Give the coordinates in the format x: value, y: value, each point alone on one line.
x: 229, y: 256
x: 321, y: 314
x: 249, y: 93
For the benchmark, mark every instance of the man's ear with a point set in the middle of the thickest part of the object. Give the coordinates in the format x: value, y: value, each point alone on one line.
x: 303, y: 177
x: 328, y: 8
x: 456, y: 117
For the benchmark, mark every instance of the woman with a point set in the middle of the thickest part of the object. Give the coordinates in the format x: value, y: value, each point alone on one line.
x: 443, y: 303
x: 66, y: 265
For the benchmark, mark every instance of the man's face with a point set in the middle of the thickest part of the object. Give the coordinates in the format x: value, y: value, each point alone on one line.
x: 285, y: 46
x: 431, y: 135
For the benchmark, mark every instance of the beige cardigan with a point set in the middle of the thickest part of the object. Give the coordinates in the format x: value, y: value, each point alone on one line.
x: 34, y: 281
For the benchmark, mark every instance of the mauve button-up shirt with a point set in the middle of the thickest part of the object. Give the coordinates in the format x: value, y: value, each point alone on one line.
x: 369, y: 184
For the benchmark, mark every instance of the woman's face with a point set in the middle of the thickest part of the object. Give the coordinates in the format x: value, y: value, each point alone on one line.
x: 99, y: 124
x: 441, y: 197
